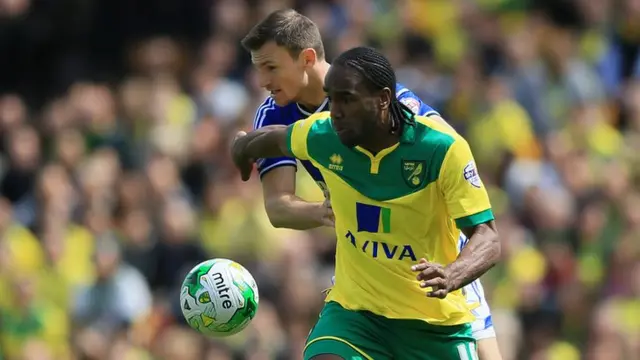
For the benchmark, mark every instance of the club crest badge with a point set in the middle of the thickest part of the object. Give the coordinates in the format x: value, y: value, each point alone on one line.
x: 414, y: 172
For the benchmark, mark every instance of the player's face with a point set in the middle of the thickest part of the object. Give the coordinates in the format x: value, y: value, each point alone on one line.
x: 355, y: 111
x: 279, y: 73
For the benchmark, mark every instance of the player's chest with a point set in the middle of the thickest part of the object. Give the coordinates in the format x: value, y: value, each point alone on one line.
x: 380, y: 178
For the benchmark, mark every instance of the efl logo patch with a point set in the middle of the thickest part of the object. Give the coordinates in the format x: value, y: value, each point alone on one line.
x: 412, y: 104
x: 471, y: 175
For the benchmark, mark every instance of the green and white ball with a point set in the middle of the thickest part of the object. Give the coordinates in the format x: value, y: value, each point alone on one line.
x: 219, y: 298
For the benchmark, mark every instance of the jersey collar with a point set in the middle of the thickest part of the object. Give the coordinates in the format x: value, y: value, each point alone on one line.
x: 407, y: 137
x: 320, y: 108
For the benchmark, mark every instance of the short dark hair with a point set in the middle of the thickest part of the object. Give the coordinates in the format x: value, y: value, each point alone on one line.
x: 287, y: 28
x: 377, y: 73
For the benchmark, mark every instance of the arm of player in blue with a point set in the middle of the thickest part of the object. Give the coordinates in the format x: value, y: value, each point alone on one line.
x: 413, y: 102
x: 271, y: 114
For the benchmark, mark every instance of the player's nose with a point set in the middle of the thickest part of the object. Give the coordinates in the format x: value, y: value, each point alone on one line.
x: 336, y: 113
x: 336, y: 120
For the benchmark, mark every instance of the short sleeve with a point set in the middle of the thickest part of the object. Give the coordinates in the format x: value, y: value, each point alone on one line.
x: 413, y: 102
x: 270, y: 114
x: 466, y: 198
x: 297, y: 136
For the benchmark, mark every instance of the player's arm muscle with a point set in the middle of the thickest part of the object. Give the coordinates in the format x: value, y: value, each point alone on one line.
x: 468, y: 203
x: 284, y: 208
x: 480, y: 254
x: 266, y: 142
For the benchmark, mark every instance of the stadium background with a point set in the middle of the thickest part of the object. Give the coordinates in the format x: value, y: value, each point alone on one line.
x: 115, y: 118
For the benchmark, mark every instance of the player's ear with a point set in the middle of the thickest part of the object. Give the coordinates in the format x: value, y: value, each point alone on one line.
x: 308, y: 57
x: 385, y: 98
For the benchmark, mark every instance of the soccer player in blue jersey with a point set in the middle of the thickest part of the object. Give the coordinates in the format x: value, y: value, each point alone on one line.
x: 287, y: 51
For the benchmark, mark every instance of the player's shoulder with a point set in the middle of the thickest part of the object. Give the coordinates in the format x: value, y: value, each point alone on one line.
x: 316, y: 124
x: 402, y: 90
x: 270, y: 113
x: 434, y: 130
x: 323, y: 116
x: 315, y: 131
x: 266, y: 113
x: 409, y: 99
x: 437, y: 140
x: 413, y: 102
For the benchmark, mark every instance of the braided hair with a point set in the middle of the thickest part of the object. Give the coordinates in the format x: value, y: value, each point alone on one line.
x: 377, y: 74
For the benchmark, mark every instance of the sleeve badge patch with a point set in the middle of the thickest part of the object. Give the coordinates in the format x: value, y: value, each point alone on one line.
x: 471, y: 175
x: 412, y: 104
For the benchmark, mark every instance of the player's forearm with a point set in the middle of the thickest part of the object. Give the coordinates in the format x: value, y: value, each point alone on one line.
x: 480, y: 254
x: 291, y: 212
x: 266, y: 142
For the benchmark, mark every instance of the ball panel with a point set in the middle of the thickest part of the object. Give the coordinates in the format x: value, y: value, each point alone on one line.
x: 192, y: 281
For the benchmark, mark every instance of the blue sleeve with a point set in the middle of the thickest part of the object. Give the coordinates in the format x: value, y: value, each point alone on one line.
x: 413, y: 102
x: 270, y: 114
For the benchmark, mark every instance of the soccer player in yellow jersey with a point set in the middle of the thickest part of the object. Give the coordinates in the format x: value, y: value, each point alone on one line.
x: 402, y: 188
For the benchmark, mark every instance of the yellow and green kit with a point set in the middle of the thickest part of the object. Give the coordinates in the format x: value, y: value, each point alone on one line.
x: 392, y: 208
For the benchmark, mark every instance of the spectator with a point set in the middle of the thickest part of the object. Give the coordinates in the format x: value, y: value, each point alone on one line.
x: 110, y: 304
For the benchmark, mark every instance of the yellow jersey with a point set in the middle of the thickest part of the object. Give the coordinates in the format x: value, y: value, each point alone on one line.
x: 392, y: 208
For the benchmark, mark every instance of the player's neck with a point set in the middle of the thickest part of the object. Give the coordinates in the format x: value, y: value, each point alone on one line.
x: 313, y: 94
x: 380, y: 140
x: 380, y: 136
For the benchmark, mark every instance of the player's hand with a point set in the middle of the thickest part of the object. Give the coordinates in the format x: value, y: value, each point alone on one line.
x: 434, y: 276
x: 326, y: 214
x: 244, y: 164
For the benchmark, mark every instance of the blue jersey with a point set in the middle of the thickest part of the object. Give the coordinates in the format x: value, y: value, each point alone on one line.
x: 271, y: 114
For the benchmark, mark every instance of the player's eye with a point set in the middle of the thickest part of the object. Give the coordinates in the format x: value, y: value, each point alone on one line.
x: 271, y: 68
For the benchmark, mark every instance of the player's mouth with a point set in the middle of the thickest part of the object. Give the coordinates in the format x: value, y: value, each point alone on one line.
x: 346, y: 137
x: 275, y: 92
x: 340, y: 131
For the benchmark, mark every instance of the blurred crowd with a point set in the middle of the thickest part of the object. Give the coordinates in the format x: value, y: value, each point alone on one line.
x: 115, y: 179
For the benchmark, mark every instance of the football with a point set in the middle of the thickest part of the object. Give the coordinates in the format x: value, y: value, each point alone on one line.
x: 219, y: 297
